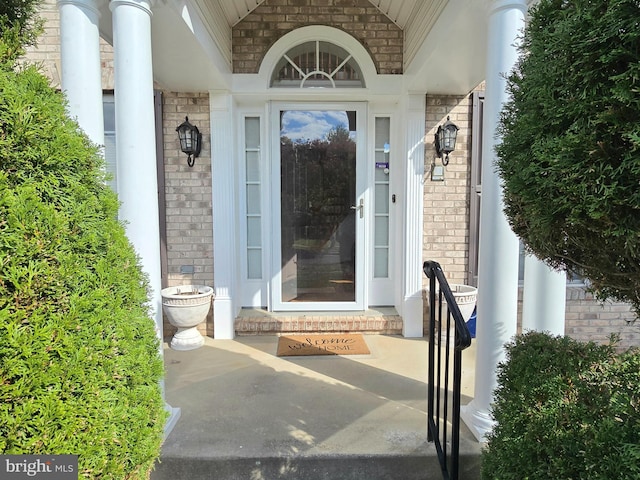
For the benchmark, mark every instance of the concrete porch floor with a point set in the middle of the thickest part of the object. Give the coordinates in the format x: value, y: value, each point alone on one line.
x: 249, y: 415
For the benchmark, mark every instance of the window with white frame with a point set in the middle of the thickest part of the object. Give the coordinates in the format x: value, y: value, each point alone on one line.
x: 317, y: 64
x: 109, y: 116
x: 253, y: 189
x: 381, y: 202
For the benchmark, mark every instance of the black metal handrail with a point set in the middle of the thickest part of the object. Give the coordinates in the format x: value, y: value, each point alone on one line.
x: 443, y: 424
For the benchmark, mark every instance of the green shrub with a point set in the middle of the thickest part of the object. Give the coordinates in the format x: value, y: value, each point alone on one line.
x: 19, y: 27
x: 565, y: 410
x: 79, y: 356
x: 570, y: 156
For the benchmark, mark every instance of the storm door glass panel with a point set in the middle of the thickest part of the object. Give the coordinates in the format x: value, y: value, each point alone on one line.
x: 318, y: 190
x: 381, y: 223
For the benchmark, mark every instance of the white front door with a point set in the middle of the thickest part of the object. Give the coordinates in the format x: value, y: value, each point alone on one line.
x: 319, y: 206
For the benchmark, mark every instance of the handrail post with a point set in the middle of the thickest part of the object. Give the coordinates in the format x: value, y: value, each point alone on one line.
x: 438, y: 420
x: 432, y: 349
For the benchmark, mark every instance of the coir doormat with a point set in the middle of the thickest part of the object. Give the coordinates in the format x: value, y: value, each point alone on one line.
x: 325, y: 344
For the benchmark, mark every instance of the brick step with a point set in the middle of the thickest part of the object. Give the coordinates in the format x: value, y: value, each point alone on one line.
x: 261, y: 322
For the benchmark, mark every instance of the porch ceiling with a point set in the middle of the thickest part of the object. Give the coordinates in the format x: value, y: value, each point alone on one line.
x: 444, y: 42
x: 399, y: 11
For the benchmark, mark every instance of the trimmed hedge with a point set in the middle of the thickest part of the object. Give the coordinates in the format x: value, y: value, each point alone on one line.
x: 565, y: 410
x: 79, y: 356
x: 570, y: 155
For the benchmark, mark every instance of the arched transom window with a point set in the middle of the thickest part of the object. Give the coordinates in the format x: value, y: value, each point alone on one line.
x: 317, y: 64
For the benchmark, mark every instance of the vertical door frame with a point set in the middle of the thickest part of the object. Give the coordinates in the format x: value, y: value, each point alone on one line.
x: 363, y: 183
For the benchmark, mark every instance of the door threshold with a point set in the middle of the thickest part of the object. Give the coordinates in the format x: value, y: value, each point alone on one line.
x: 376, y: 320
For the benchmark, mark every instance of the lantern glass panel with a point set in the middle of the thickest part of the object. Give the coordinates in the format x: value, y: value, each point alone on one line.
x: 449, y: 143
x: 186, y: 139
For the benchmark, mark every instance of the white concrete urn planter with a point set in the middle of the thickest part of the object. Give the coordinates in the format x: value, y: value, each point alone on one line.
x: 465, y: 296
x: 187, y: 306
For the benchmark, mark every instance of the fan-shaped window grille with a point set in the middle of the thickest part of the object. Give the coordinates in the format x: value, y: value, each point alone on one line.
x: 317, y: 64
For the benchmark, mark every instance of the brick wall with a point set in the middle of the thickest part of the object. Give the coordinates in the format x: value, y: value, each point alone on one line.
x: 47, y: 51
x: 272, y: 19
x: 589, y: 320
x: 446, y: 203
x: 188, y: 193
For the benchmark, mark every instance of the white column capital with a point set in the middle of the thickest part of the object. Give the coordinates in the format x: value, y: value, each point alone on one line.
x: 87, y: 5
x: 498, y: 5
x: 144, y: 5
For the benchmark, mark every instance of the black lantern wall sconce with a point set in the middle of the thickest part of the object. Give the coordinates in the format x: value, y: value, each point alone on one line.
x: 446, y: 140
x: 190, y: 140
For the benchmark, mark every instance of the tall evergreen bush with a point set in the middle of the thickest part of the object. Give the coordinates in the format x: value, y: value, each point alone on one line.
x: 79, y: 359
x: 570, y: 155
x: 565, y: 410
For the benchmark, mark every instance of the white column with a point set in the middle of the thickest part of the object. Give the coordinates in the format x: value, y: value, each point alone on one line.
x: 498, y: 249
x: 543, y: 298
x: 136, y: 143
x: 412, y: 308
x: 225, y: 254
x: 136, y: 136
x: 80, y: 61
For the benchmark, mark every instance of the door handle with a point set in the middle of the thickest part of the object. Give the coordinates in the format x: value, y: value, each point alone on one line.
x: 360, y: 208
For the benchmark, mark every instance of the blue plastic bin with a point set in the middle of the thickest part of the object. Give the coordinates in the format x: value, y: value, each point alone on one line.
x: 471, y: 324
